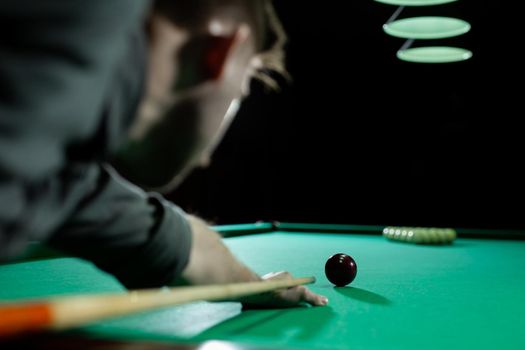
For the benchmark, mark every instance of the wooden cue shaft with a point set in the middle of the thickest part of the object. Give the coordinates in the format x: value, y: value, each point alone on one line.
x: 64, y: 312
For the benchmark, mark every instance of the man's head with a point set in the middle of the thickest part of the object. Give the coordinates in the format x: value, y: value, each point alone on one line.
x: 202, y: 54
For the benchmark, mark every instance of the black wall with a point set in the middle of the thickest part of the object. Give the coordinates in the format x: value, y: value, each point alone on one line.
x: 360, y: 137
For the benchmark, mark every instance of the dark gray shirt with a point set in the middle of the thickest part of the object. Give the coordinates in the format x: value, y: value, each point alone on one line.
x: 71, y: 75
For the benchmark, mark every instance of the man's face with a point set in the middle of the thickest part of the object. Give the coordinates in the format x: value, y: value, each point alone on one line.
x: 187, y: 105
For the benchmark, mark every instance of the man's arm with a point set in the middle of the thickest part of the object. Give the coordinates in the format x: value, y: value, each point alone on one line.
x: 139, y: 237
x: 146, y: 242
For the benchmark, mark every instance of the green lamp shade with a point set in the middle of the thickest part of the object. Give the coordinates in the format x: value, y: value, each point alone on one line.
x: 434, y: 54
x: 431, y: 27
x: 415, y: 2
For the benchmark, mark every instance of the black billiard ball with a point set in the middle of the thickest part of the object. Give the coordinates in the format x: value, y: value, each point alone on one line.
x: 340, y: 269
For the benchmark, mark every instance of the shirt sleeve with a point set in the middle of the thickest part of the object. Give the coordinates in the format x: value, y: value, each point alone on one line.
x: 139, y: 237
x: 61, y: 74
x: 69, y: 77
x: 58, y: 65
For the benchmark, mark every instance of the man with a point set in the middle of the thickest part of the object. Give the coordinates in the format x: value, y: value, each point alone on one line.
x: 146, y: 87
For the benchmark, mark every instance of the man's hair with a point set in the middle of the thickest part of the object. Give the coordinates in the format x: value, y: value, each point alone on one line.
x: 269, y: 34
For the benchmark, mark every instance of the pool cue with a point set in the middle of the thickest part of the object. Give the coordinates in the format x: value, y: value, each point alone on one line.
x: 60, y: 313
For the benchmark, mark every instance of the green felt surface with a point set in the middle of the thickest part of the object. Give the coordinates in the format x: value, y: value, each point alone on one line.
x: 468, y: 295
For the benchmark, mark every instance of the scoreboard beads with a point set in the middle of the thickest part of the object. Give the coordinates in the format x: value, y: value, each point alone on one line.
x: 420, y: 235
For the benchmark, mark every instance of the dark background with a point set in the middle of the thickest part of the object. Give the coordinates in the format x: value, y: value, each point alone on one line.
x: 360, y: 137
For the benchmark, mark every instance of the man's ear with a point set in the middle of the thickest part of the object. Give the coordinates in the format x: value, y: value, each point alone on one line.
x: 205, y: 57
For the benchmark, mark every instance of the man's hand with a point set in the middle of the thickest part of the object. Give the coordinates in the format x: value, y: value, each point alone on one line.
x: 211, y: 262
x: 288, y: 297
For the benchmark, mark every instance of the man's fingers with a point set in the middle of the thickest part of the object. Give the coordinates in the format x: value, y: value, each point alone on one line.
x: 299, y: 294
x: 295, y: 295
x: 314, y: 299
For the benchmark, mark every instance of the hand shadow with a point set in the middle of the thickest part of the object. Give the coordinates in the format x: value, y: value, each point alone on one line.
x: 275, y: 324
x: 363, y: 295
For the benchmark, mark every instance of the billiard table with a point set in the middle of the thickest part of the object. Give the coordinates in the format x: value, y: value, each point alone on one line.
x: 466, y: 295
